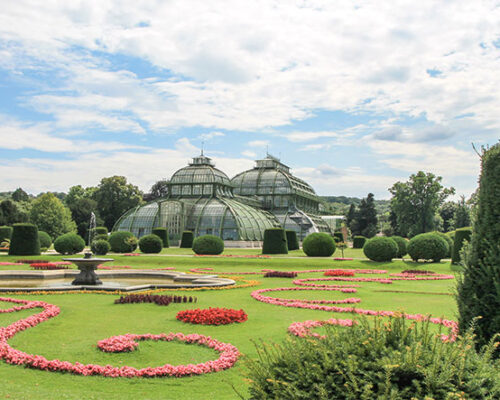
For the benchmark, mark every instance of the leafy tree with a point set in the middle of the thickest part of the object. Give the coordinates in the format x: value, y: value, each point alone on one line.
x: 12, y: 212
x: 461, y: 217
x: 158, y: 190
x: 81, y: 204
x: 415, y: 203
x: 351, y: 214
x: 447, y: 213
x: 51, y: 216
x: 364, y: 221
x: 114, y: 196
x: 20, y: 195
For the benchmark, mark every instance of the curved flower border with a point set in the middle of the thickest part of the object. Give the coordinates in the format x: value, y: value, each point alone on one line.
x: 303, y: 329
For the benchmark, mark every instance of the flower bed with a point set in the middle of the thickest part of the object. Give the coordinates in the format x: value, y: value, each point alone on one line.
x: 212, y: 316
x: 48, y: 266
x: 303, y: 329
x: 280, y: 274
x: 342, y: 259
x: 161, y: 300
x: 34, y: 261
x: 304, y: 271
x: 338, y: 272
x: 10, y: 263
x: 233, y: 255
x: 132, y: 254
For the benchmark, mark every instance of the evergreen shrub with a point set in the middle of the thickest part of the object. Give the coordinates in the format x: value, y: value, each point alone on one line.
x: 389, y: 359
x: 358, y: 242
x: 69, y: 243
x: 319, y: 244
x: 45, y: 239
x: 162, y: 233
x: 187, y: 240
x: 461, y: 234
x: 101, y: 230
x: 122, y: 242
x: 150, y: 244
x: 449, y: 242
x: 402, y: 245
x: 292, y: 241
x: 275, y: 241
x: 208, y: 244
x: 427, y: 246
x: 380, y: 248
x: 101, y: 236
x: 5, y: 233
x: 24, y: 240
x: 338, y: 237
x: 100, y: 247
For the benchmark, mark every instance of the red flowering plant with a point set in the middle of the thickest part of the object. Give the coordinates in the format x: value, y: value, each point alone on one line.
x: 338, y: 272
x: 212, y: 316
x: 47, y: 266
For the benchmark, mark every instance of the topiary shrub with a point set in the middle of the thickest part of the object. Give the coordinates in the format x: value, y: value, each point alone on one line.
x: 101, y: 230
x: 100, y: 247
x: 392, y: 358
x: 122, y: 242
x: 338, y: 237
x: 358, y: 242
x: 318, y: 245
x: 69, y: 243
x: 187, y: 240
x: 402, y: 244
x: 291, y: 240
x: 380, y: 248
x: 101, y: 236
x: 449, y: 242
x: 24, y: 240
x: 150, y: 244
x: 275, y: 241
x: 427, y: 246
x: 461, y: 234
x: 162, y: 233
x: 5, y: 233
x: 208, y: 244
x: 45, y: 239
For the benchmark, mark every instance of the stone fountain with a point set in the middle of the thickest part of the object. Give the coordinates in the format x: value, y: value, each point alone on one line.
x: 87, y: 266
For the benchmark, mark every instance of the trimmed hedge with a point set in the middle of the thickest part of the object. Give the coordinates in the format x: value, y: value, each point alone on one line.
x: 358, y: 242
x: 101, y: 230
x: 449, y: 242
x: 69, y: 243
x: 461, y: 234
x: 122, y: 242
x: 319, y: 244
x: 101, y: 236
x: 100, y: 247
x: 5, y: 233
x: 162, y: 233
x: 150, y: 244
x: 292, y: 241
x: 187, y: 240
x: 24, y: 240
x: 208, y: 244
x: 275, y: 241
x: 45, y: 239
x: 338, y: 237
x: 380, y: 248
x: 427, y: 246
x: 402, y: 245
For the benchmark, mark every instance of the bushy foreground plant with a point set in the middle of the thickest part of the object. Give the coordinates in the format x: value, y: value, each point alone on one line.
x: 292, y: 241
x: 187, y: 240
x: 24, y: 240
x: 122, y: 242
x: 461, y: 234
x: 358, y: 242
x: 390, y: 359
x: 208, y: 244
x: 402, y: 243
x: 162, y: 233
x: 275, y: 241
x: 319, y: 245
x: 45, y: 239
x: 150, y: 244
x: 380, y: 248
x: 100, y: 247
x: 69, y: 243
x: 101, y: 236
x: 427, y: 246
x: 5, y: 233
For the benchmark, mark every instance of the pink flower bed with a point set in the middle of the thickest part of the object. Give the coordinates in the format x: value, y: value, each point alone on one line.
x: 10, y: 263
x: 342, y: 259
x: 132, y: 254
x: 228, y: 353
x: 304, y: 271
x: 303, y: 329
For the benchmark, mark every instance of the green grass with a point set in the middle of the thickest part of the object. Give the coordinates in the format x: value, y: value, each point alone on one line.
x: 88, y: 318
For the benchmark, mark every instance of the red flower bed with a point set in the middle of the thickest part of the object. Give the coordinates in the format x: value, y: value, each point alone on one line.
x: 47, y: 266
x: 342, y: 259
x: 161, y: 300
x: 280, y: 274
x: 338, y: 272
x: 132, y: 254
x: 212, y: 316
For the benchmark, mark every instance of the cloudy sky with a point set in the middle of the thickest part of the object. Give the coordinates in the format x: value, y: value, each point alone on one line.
x: 353, y: 95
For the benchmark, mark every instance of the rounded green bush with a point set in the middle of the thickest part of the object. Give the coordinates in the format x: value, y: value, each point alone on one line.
x: 461, y: 234
x: 380, y: 248
x: 318, y: 244
x: 101, y: 230
x: 402, y: 245
x: 45, y: 239
x: 100, y: 247
x: 122, y: 242
x: 292, y: 241
x: 150, y: 244
x: 358, y: 242
x: 69, y: 243
x: 187, y: 240
x: 101, y: 236
x: 449, y: 242
x: 5, y: 233
x: 275, y: 241
x: 162, y: 233
x: 208, y: 244
x: 24, y: 240
x: 427, y: 246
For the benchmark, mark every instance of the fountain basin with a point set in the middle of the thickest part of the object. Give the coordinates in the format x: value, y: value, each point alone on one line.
x: 87, y: 267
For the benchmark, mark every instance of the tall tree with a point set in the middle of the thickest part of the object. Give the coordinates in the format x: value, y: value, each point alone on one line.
x: 157, y: 191
x: 364, y: 220
x: 20, y: 195
x: 447, y: 212
x: 461, y: 217
x: 51, y: 216
x: 415, y: 202
x: 114, y: 196
x: 12, y: 212
x: 351, y: 214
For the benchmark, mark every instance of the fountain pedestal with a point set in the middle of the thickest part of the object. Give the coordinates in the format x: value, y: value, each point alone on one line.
x: 87, y: 267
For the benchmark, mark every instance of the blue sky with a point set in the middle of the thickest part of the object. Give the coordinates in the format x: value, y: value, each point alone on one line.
x: 353, y: 96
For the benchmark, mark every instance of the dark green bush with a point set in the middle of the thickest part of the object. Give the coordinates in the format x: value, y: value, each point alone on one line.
x: 380, y: 248
x: 461, y: 234
x: 427, y: 246
x: 208, y: 244
x: 358, y: 242
x: 449, y: 242
x: 101, y: 230
x: 69, y: 243
x: 402, y: 245
x: 389, y: 359
x: 5, y: 233
x: 122, y: 242
x: 275, y: 241
x: 24, y: 240
x: 162, y: 233
x: 150, y: 244
x: 100, y: 247
x: 45, y: 239
x: 292, y: 241
x: 101, y: 236
x: 338, y: 237
x: 318, y: 245
x: 187, y: 240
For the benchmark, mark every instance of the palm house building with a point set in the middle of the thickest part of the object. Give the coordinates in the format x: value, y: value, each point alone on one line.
x: 202, y: 199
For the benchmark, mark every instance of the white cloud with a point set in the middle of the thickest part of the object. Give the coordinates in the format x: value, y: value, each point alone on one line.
x: 258, y: 143
x: 316, y: 147
x: 248, y: 153
x: 210, y: 135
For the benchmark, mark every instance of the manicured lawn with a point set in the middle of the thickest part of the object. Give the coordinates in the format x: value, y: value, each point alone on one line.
x: 87, y: 318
